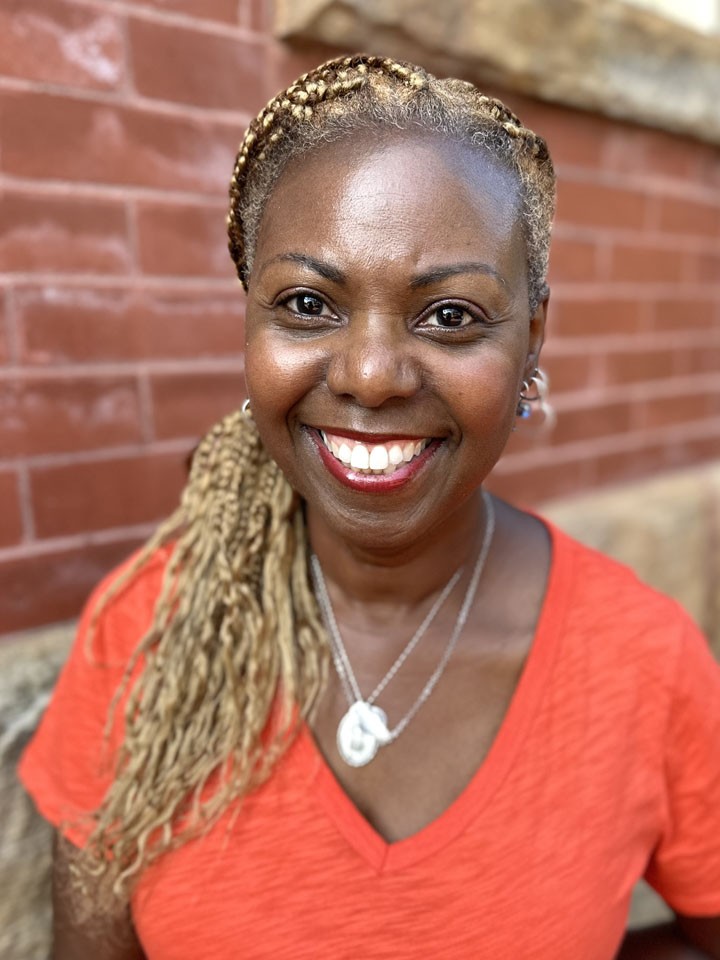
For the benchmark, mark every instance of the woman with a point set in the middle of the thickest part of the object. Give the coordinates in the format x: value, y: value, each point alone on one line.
x: 374, y: 711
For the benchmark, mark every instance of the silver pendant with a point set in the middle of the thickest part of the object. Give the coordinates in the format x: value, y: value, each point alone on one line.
x: 360, y: 732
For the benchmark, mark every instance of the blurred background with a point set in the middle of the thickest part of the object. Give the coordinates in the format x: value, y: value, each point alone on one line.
x: 121, y: 328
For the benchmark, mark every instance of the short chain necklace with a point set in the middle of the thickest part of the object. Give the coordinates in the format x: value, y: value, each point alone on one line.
x: 364, y: 727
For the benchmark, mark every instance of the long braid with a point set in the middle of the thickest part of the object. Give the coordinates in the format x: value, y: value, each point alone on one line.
x: 237, y: 655
x: 235, y: 627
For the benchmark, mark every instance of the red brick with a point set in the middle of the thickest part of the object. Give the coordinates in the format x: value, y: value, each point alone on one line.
x: 707, y: 268
x: 104, y: 494
x: 226, y: 73
x: 188, y: 405
x: 597, y: 205
x: 682, y: 408
x: 572, y: 261
x: 612, y: 468
x: 545, y: 481
x: 256, y: 15
x: 567, y: 372
x: 688, y: 217
x: 224, y: 10
x: 56, y: 137
x: 709, y: 164
x: 683, y: 314
x: 647, y: 264
x: 573, y: 137
x: 57, y: 233
x: 592, y: 318
x: 705, y: 359
x: 184, y: 240
x: 50, y: 416
x: 54, y: 41
x: 10, y: 516
x: 638, y: 365
x: 53, y: 586
x: 633, y: 149
x: 702, y: 448
x: 71, y: 325
x: 4, y: 332
x: 588, y: 423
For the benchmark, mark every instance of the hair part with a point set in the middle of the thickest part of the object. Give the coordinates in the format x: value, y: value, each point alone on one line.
x: 350, y: 95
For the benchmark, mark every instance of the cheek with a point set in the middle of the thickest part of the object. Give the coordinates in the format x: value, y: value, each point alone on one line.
x: 485, y: 400
x: 278, y: 374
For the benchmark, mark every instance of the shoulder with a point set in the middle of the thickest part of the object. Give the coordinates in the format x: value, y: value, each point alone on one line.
x: 607, y: 604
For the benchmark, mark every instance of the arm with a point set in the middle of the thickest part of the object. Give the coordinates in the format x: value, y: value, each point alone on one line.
x: 688, y: 938
x: 80, y: 932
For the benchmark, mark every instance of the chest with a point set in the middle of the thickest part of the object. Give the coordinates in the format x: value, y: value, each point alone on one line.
x: 412, y: 780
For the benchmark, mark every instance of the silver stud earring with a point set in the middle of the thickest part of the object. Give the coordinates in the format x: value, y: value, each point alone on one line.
x: 534, y: 396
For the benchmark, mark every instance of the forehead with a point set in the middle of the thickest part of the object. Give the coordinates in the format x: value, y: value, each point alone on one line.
x: 399, y: 198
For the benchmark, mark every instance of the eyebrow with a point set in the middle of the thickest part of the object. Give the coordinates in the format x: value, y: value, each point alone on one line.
x: 453, y: 270
x: 320, y: 267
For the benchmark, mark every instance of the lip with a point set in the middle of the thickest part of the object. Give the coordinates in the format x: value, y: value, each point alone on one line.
x: 372, y: 483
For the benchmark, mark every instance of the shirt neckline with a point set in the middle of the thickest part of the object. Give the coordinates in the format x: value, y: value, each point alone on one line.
x: 384, y: 857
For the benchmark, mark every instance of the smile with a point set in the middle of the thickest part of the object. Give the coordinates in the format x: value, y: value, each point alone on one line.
x: 378, y: 458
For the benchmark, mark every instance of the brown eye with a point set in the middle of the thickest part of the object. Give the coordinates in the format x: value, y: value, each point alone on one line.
x: 307, y: 305
x: 449, y: 316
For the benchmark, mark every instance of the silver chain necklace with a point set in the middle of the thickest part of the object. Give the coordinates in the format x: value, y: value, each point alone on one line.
x: 364, y: 727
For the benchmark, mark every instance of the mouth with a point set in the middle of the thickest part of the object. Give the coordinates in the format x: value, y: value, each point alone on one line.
x: 372, y: 464
x: 373, y: 458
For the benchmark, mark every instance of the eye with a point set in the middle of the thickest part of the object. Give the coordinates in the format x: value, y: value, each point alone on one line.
x: 307, y: 305
x: 449, y: 316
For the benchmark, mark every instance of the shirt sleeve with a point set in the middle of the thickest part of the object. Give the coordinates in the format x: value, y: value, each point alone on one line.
x: 68, y: 765
x: 685, y: 866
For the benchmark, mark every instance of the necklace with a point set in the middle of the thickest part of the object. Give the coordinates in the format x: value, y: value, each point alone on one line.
x: 364, y: 728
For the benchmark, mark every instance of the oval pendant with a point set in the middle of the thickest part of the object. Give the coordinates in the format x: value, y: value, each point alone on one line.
x: 360, y: 732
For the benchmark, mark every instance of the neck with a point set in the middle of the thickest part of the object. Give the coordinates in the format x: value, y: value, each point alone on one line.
x: 387, y: 584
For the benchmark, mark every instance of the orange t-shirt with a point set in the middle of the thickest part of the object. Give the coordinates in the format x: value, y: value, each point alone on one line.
x: 606, y: 769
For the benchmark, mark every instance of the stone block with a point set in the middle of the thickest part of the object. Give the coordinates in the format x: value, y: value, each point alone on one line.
x: 28, y: 669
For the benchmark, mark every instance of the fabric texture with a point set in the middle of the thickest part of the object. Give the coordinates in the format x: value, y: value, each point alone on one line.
x: 606, y: 768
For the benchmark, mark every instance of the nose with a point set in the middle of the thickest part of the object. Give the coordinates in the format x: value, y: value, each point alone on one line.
x: 373, y: 361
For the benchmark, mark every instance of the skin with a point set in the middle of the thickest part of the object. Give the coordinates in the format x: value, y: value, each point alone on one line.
x: 388, y: 296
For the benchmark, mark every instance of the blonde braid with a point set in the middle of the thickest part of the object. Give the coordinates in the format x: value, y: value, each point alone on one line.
x: 236, y: 636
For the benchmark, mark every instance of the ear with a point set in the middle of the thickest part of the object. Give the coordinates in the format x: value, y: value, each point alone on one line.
x: 537, y: 335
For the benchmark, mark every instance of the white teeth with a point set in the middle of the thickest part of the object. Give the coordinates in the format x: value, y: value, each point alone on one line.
x: 378, y: 458
x: 360, y: 458
x: 382, y: 458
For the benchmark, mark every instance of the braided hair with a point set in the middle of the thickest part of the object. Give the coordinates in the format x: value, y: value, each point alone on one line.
x: 236, y: 656
x: 356, y: 93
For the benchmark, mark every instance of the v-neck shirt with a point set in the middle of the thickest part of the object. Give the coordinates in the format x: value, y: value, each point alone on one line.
x: 606, y: 768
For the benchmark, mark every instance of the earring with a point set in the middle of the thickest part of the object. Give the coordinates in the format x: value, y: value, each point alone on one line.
x: 246, y: 407
x: 535, y: 391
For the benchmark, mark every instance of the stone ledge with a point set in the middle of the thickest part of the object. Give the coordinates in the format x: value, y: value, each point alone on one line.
x: 627, y: 62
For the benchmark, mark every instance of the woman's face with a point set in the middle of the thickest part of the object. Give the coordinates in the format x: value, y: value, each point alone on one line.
x: 388, y: 326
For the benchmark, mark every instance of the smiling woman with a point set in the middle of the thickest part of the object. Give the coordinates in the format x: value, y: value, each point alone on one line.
x: 344, y: 702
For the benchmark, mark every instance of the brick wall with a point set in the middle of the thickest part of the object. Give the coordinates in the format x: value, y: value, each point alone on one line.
x: 121, y: 328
